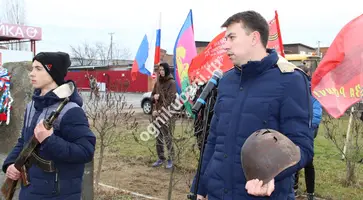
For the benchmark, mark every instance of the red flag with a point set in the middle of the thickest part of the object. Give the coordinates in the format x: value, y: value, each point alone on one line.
x: 337, y: 81
x: 214, y: 56
x: 274, y: 38
x: 211, y: 58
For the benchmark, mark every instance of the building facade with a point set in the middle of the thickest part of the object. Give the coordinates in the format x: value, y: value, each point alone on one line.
x: 298, y: 48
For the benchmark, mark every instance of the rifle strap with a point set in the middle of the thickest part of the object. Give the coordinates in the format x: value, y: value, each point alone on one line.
x: 35, y: 159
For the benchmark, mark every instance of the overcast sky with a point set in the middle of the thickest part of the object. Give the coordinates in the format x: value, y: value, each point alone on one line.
x: 66, y: 22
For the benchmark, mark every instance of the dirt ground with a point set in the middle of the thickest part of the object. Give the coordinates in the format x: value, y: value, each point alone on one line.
x: 136, y: 176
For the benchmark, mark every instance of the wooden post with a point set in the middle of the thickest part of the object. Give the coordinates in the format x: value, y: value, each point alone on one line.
x: 87, y: 185
x: 348, y: 133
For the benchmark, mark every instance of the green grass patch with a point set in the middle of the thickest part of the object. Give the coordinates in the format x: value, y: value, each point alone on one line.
x: 330, y: 172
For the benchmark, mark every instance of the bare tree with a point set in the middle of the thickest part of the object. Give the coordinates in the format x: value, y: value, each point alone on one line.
x: 102, y: 53
x: 84, y: 54
x: 348, y: 142
x: 119, y: 53
x: 182, y: 150
x: 111, y: 119
x: 98, y: 54
x: 13, y: 12
x: 183, y: 141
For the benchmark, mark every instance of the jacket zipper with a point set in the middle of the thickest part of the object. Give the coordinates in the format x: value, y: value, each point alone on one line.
x: 236, y: 127
x: 57, y: 189
x: 244, y: 97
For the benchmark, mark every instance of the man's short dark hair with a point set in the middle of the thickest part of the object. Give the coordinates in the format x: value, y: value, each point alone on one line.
x: 252, y: 21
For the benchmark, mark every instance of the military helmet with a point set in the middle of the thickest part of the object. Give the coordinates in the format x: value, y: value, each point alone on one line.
x: 266, y: 153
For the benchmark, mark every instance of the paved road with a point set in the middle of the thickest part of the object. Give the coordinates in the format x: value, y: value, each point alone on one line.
x: 131, y: 98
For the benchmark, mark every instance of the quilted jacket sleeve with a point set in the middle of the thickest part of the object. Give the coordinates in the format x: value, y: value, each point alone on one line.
x: 295, y: 120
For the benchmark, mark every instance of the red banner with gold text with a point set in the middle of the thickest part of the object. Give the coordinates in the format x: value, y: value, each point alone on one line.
x: 274, y: 38
x: 337, y: 82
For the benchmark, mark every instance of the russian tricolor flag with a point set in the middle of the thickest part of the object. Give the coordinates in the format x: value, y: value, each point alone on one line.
x: 148, y: 53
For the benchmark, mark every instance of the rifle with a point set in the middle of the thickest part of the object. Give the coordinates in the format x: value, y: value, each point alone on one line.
x: 9, y: 186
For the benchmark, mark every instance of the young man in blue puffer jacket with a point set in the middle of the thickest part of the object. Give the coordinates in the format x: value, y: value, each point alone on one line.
x: 68, y: 146
x: 309, y: 168
x: 257, y: 93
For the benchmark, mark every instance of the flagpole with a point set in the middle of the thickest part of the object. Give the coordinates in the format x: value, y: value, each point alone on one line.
x: 279, y: 33
x: 157, y: 53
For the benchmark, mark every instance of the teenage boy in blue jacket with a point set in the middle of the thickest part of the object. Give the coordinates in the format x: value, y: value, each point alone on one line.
x: 68, y: 146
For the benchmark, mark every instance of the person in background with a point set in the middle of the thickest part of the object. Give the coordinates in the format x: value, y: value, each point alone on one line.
x: 309, y: 168
x: 163, y: 95
x: 93, y: 86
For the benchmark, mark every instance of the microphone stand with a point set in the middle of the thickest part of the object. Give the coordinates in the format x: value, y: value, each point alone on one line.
x: 206, y: 112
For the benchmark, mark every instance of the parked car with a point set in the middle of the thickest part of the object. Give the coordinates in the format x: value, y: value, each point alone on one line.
x: 147, y: 107
x: 146, y: 104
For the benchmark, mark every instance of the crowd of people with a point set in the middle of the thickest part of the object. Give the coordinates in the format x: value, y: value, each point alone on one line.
x: 257, y: 93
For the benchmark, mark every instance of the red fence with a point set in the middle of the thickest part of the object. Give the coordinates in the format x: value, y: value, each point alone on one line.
x: 115, y: 80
